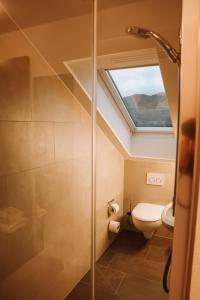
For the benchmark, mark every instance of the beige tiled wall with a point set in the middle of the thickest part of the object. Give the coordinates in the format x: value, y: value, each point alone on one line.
x: 45, y: 172
x: 110, y: 178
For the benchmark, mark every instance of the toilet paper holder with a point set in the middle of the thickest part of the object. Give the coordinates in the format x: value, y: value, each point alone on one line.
x: 111, y: 209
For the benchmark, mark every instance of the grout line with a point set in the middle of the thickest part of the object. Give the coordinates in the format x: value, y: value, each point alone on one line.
x: 147, y: 252
x: 139, y: 276
x: 124, y: 275
x: 53, y: 163
x: 120, y: 283
x: 110, y: 261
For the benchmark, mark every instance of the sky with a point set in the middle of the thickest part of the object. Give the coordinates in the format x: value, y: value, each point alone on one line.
x: 140, y: 80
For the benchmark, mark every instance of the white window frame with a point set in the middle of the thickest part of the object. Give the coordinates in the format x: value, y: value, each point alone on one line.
x: 117, y: 97
x: 139, y: 58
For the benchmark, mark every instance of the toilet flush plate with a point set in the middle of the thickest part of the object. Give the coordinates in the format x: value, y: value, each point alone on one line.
x: 155, y: 178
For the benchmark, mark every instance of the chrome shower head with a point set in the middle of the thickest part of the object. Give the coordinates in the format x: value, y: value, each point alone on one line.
x: 173, y: 55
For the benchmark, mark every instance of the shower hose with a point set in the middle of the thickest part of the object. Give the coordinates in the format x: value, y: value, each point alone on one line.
x: 166, y: 273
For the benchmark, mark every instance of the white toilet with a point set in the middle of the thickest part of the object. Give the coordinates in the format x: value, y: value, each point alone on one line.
x: 147, y: 218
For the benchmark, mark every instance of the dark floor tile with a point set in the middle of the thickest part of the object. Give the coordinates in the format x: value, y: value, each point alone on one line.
x: 106, y: 258
x: 106, y: 278
x: 83, y: 292
x: 103, y: 294
x: 158, y: 254
x: 80, y: 292
x: 139, y: 266
x: 131, y: 269
x: 164, y: 232
x: 136, y: 288
x: 129, y: 242
x: 160, y: 242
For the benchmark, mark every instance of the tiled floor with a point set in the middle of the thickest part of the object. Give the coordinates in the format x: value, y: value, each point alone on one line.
x: 131, y: 269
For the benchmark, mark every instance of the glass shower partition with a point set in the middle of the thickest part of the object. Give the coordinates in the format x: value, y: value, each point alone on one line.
x: 45, y: 148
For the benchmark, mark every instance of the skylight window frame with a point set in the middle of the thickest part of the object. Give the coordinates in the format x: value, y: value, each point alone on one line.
x: 110, y: 84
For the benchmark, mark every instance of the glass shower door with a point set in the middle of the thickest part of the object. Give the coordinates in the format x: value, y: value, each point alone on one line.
x: 137, y: 89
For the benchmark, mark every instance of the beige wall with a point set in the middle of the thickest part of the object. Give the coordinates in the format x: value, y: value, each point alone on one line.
x: 135, y: 187
x: 45, y: 173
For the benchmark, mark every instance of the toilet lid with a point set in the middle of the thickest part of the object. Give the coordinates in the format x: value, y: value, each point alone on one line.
x: 147, y: 212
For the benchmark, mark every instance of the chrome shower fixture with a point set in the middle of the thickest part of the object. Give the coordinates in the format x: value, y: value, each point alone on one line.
x: 173, y: 55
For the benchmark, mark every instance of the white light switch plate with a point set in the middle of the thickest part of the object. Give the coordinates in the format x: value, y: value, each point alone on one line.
x: 155, y: 178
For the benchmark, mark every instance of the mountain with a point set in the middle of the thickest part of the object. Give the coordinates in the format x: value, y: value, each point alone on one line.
x: 148, y: 110
x: 144, y: 102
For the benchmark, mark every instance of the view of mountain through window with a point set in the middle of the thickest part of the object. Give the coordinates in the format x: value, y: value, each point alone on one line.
x: 143, y: 94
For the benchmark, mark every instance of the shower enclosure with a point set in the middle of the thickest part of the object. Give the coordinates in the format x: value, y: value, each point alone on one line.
x: 69, y: 147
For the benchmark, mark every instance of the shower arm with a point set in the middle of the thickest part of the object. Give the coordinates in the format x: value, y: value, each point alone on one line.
x: 173, y: 55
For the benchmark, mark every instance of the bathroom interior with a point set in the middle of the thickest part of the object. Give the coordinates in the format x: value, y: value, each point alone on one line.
x: 89, y: 121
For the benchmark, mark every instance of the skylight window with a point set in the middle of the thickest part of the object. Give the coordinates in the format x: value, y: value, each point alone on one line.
x: 142, y: 92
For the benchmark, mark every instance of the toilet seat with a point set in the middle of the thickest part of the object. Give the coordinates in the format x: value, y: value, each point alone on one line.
x: 147, y: 212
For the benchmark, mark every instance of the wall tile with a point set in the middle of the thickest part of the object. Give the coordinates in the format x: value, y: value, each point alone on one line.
x: 109, y: 185
x: 15, y: 89
x: 64, y: 141
x: 83, y: 136
x: 53, y: 101
x: 15, y: 152
x: 42, y: 143
x: 25, y: 145
x: 48, y: 169
x: 34, y: 278
x: 53, y: 185
x: 20, y: 192
x: 72, y: 140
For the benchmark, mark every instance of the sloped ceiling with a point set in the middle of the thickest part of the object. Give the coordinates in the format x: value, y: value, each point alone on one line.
x: 36, y: 12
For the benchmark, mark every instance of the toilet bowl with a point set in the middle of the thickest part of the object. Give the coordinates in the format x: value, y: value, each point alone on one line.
x: 147, y: 218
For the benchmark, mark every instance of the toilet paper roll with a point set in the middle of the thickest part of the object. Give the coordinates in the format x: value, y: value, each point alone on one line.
x: 114, y: 226
x: 114, y: 208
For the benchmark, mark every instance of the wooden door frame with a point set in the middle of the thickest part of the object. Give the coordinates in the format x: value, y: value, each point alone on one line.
x: 186, y: 216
